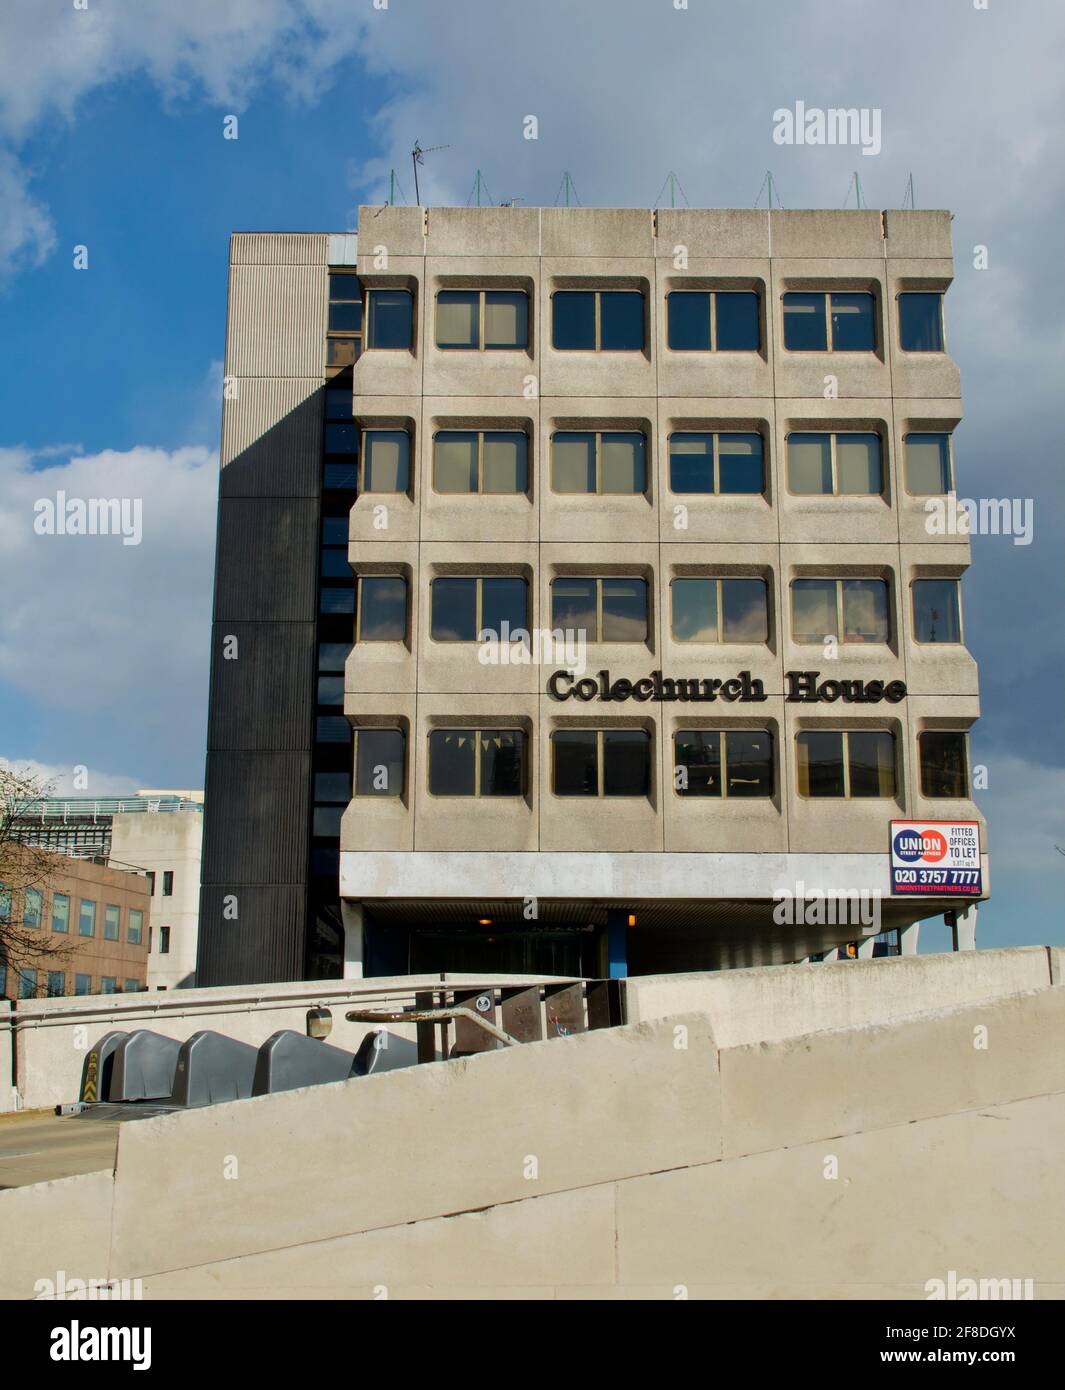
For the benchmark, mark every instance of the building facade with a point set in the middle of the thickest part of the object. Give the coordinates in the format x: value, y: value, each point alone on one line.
x: 587, y: 597
x: 89, y: 923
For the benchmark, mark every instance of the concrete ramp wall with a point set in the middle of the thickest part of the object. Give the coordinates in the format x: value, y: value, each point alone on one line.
x: 644, y: 1161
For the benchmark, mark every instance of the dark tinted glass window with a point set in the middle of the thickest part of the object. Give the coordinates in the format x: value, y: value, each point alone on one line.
x: 344, y: 287
x: 626, y: 762
x: 504, y: 600
x: 379, y: 762
x: 573, y: 319
x: 338, y: 404
x: 744, y: 615
x: 334, y: 530
x: 341, y: 438
x: 871, y: 759
x: 691, y: 463
x: 865, y: 610
x: 621, y: 321
x: 332, y: 655
x: 502, y: 755
x: 737, y: 321
x: 944, y: 764
x: 345, y: 318
x: 335, y: 564
x: 454, y: 610
x: 452, y: 762
x: 332, y: 728
x: 820, y: 758
x: 697, y: 759
x: 341, y: 476
x: 749, y: 762
x: 694, y: 613
x: 337, y: 600
x: 853, y: 327
x: 332, y: 786
x: 739, y: 461
x: 391, y: 318
x: 936, y: 610
x: 804, y: 323
x: 382, y: 608
x: 624, y: 610
x: 331, y: 690
x: 688, y: 321
x: 573, y: 606
x: 576, y: 758
x: 921, y: 322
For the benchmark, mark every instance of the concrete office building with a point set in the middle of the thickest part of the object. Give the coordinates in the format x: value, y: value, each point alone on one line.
x: 579, y: 606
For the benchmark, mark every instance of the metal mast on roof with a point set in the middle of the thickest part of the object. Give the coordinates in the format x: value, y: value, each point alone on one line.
x: 909, y: 196
x: 417, y: 155
x: 856, y: 184
x: 566, y: 187
x: 767, y: 182
x: 673, y: 184
x: 479, y: 186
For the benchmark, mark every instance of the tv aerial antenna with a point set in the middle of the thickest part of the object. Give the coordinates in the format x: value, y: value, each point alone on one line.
x: 417, y: 155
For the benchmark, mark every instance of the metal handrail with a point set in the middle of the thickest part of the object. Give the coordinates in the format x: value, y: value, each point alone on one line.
x: 430, y: 1016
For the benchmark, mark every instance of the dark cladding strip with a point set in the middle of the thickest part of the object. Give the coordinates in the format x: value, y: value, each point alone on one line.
x: 802, y: 687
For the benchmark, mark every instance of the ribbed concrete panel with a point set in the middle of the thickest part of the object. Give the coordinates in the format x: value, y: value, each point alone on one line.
x: 277, y: 317
x: 267, y: 559
x: 272, y: 438
x: 263, y: 945
x: 262, y: 699
x: 278, y: 248
x: 261, y: 835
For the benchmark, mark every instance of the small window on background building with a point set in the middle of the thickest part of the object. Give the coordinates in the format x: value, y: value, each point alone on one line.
x: 135, y: 926
x: 381, y: 608
x: 610, y: 462
x: 853, y: 763
x: 390, y: 319
x: 150, y: 876
x: 168, y: 883
x: 835, y: 464
x: 344, y: 329
x: 386, y: 461
x: 714, y: 762
x: 464, y: 607
x: 32, y: 907
x: 27, y: 983
x: 824, y: 321
x: 486, y: 461
x: 724, y: 464
x: 944, y: 763
x: 87, y: 919
x: 82, y: 984
x: 112, y: 915
x: 601, y: 762
x: 132, y: 986
x: 853, y: 610
x: 380, y: 762
x: 477, y: 762
x: 921, y: 322
x: 60, y: 912
x: 164, y: 941
x: 57, y: 984
x: 936, y: 610
x: 597, y: 321
x: 5, y: 903
x: 719, y: 610
x: 601, y: 610
x: 108, y: 984
x: 713, y: 321
x: 491, y: 319
x: 928, y: 465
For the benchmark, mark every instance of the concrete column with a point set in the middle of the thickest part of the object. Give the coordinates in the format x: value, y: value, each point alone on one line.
x: 617, y: 946
x: 351, y: 914
x: 908, y: 939
x: 865, y: 948
x: 964, y: 929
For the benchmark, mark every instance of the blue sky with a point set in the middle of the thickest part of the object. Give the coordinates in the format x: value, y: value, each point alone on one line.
x: 111, y: 125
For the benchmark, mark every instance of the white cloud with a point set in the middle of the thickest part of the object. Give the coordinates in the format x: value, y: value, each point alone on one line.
x: 59, y: 781
x: 26, y: 232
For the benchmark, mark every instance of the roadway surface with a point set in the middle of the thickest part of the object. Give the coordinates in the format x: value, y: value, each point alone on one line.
x: 38, y: 1146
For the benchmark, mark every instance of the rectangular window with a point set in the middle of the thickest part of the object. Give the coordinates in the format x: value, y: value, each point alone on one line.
x: 598, y: 461
x: 601, y: 762
x: 719, y: 610
x: 712, y: 321
x: 604, y: 610
x: 108, y: 984
x: 489, y: 461
x: 57, y: 984
x: 60, y: 912
x: 825, y: 321
x: 492, y: 319
x: 723, y: 464
x: 713, y: 762
x: 462, y: 608
x: 386, y: 461
x: 168, y: 877
x: 131, y: 986
x: 390, y: 319
x: 936, y: 610
x: 32, y: 907
x: 853, y: 610
x: 344, y: 330
x: 927, y: 465
x: 477, y: 762
x: 5, y: 903
x: 382, y: 608
x: 380, y: 760
x: 597, y: 320
x: 82, y: 984
x: 112, y: 916
x: 921, y: 322
x: 836, y: 464
x: 164, y: 941
x: 87, y: 919
x: 851, y: 763
x: 135, y: 926
x: 944, y: 762
x: 27, y: 983
x: 151, y: 882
